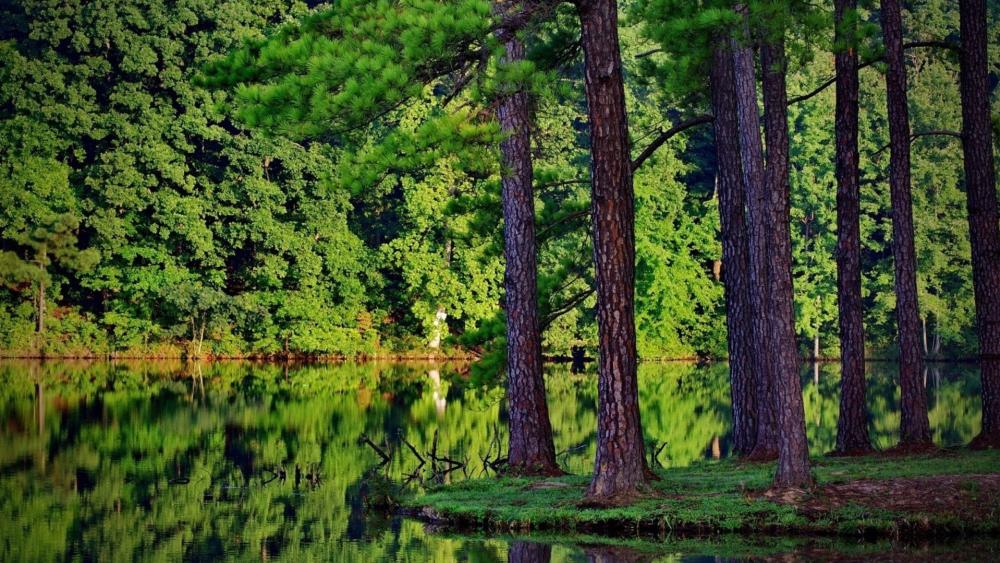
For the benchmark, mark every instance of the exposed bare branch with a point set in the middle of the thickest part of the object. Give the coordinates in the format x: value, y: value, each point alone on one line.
x: 665, y: 136
x: 830, y: 81
x: 915, y: 136
x: 566, y: 307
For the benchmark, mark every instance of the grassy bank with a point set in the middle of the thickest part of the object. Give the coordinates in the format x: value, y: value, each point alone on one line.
x: 953, y: 492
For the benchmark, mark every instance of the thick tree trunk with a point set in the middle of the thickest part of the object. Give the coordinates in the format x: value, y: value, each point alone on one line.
x: 914, y: 427
x: 752, y: 155
x: 984, y: 230
x: 852, y: 425
x: 735, y: 252
x: 619, y: 467
x: 530, y: 446
x: 793, y: 450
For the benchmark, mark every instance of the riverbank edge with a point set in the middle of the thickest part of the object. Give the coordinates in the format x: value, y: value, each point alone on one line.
x: 263, y: 358
x: 411, y: 356
x: 729, y: 497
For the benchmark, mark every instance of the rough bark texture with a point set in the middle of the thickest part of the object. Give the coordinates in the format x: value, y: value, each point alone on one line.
x: 852, y: 425
x: 752, y: 155
x: 914, y: 427
x: 530, y: 446
x: 984, y: 230
x: 793, y: 450
x: 735, y: 252
x: 619, y: 467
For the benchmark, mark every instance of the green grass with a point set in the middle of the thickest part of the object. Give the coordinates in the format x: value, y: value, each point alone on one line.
x: 713, y: 497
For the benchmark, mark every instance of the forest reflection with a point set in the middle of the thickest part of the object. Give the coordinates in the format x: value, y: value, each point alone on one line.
x: 153, y: 460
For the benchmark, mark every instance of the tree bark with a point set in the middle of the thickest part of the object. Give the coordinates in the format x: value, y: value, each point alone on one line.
x: 914, y: 427
x: 984, y: 230
x: 620, y: 466
x: 735, y: 252
x: 852, y: 425
x: 531, y: 451
x: 752, y: 155
x: 793, y: 449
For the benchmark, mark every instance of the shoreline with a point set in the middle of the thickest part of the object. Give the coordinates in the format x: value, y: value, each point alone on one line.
x: 949, y: 493
x: 410, y: 356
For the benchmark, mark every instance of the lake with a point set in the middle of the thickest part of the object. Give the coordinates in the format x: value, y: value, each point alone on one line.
x: 249, y: 461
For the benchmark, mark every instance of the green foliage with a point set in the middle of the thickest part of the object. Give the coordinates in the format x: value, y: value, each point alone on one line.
x: 352, y: 206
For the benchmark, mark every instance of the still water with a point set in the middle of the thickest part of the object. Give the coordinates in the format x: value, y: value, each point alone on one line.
x: 172, y: 461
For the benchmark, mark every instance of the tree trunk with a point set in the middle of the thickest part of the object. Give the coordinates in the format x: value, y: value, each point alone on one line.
x: 438, y: 326
x: 735, y: 252
x: 923, y: 328
x: 620, y: 466
x: 531, y: 450
x: 914, y: 427
x: 852, y: 425
x: 752, y: 155
x: 793, y: 450
x: 984, y: 231
x: 201, y: 336
x: 40, y: 312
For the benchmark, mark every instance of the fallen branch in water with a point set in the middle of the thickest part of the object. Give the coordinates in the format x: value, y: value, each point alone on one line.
x: 412, y: 449
x: 364, y: 439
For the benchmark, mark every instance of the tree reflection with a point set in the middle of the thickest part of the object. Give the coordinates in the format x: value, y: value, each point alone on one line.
x: 171, y: 461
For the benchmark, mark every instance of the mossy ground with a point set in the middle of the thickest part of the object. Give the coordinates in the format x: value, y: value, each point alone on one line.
x: 949, y: 492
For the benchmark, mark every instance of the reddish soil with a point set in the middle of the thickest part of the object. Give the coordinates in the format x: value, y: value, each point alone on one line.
x: 975, y: 497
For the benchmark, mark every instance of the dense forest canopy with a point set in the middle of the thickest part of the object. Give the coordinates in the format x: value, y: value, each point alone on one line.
x: 145, y: 210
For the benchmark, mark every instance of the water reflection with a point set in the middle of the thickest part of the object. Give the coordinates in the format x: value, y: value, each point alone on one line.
x: 169, y: 461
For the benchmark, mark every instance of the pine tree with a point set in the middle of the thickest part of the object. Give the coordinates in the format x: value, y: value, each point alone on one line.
x: 620, y: 466
x: 914, y: 426
x: 530, y: 450
x: 759, y: 216
x: 793, y: 451
x: 852, y: 424
x: 984, y: 230
x: 735, y: 260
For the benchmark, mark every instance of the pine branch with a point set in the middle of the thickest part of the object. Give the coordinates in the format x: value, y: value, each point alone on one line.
x: 915, y: 136
x: 567, y: 307
x: 665, y: 136
x: 543, y: 234
x: 832, y: 80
